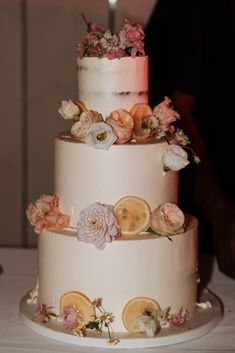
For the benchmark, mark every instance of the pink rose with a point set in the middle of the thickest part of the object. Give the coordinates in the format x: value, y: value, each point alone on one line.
x: 122, y: 124
x: 165, y: 113
x: 97, y: 224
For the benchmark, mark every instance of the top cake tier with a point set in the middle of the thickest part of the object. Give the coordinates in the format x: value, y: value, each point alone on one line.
x: 106, y: 85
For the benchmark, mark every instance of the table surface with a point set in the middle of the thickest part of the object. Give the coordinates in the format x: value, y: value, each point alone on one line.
x: 18, y: 275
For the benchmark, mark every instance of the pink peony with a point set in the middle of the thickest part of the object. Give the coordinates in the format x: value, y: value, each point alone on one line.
x: 71, y: 317
x: 97, y: 224
x: 45, y: 213
x: 165, y: 113
x: 122, y: 124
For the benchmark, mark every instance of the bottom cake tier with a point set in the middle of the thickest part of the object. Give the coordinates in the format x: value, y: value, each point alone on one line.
x: 159, y: 269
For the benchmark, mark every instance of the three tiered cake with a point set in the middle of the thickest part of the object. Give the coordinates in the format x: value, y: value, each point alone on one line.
x: 115, y: 253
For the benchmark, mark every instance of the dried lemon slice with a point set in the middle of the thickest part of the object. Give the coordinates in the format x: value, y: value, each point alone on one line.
x: 133, y: 214
x: 134, y: 308
x: 82, y: 106
x: 81, y: 302
x: 139, y: 112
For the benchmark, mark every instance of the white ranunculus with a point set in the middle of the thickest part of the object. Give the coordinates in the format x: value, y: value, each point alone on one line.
x: 147, y: 324
x: 100, y: 136
x: 69, y: 110
x: 175, y: 158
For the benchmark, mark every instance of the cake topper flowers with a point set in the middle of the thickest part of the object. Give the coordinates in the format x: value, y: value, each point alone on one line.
x: 101, y: 42
x: 45, y: 213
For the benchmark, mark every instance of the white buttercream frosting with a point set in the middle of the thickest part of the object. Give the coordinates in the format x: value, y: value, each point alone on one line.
x: 142, y: 265
x: 84, y: 175
x: 106, y: 85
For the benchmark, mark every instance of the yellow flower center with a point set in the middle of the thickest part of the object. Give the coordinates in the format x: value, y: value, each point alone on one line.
x: 101, y: 136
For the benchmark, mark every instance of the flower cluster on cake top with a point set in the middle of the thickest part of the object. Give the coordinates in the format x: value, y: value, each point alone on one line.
x: 101, y: 42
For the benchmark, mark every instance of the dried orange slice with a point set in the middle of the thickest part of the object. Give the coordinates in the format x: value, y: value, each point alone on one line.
x: 81, y: 302
x: 82, y: 106
x: 139, y: 112
x: 134, y: 308
x: 133, y: 214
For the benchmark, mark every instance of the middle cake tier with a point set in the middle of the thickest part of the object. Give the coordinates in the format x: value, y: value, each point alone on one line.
x: 84, y: 175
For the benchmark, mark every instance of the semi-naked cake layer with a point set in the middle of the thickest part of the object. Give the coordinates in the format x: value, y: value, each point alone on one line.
x: 84, y: 175
x: 138, y: 266
x: 106, y: 85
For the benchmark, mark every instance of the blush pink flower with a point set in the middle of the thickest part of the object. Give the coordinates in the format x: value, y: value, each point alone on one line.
x: 167, y: 219
x: 97, y: 224
x: 87, y: 119
x: 45, y: 213
x: 165, y: 113
x: 43, y: 313
x: 132, y: 38
x: 71, y: 317
x: 122, y: 124
x: 100, y: 42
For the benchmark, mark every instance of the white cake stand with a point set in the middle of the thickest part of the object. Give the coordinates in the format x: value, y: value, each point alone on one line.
x: 202, y: 322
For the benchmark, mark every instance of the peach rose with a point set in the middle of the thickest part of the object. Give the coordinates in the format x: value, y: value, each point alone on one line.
x: 167, y: 219
x: 165, y: 113
x: 122, y: 124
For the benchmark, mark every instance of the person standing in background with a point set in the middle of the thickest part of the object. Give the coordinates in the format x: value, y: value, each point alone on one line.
x: 192, y: 61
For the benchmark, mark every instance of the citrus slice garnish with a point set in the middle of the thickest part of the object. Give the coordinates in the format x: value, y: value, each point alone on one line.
x: 139, y: 112
x: 135, y: 308
x: 82, y: 106
x: 133, y: 214
x: 81, y: 302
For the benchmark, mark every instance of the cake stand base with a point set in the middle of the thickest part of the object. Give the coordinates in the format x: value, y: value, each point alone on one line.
x: 202, y: 322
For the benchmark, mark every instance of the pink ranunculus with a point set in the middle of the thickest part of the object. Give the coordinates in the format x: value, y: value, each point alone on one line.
x: 122, y: 123
x: 97, y: 224
x: 165, y: 113
x: 71, y: 317
x: 87, y: 119
x: 45, y: 213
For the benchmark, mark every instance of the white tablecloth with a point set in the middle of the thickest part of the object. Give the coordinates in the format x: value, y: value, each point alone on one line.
x: 18, y: 275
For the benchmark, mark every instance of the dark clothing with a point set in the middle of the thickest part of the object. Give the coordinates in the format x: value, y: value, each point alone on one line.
x: 190, y: 44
